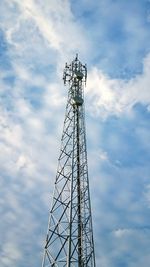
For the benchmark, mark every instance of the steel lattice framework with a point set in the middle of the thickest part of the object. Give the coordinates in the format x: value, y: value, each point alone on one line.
x: 69, y: 241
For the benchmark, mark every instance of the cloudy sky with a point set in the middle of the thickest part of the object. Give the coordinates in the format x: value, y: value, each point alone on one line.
x: 37, y: 37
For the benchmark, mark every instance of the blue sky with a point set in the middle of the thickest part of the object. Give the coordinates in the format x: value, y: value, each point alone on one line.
x: 36, y: 39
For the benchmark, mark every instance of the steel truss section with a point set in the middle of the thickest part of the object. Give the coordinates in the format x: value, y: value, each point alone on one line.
x: 69, y: 241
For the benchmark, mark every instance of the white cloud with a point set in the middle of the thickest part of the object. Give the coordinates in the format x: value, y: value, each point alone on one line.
x: 10, y: 254
x: 112, y: 96
x: 121, y: 232
x: 103, y: 155
x: 50, y: 24
x: 31, y: 10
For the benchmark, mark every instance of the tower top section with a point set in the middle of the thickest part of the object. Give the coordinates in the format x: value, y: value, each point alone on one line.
x: 75, y: 72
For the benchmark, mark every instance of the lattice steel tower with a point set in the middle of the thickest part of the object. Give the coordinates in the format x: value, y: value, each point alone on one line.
x: 69, y: 241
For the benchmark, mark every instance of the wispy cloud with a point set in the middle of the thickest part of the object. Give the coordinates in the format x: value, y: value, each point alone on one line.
x: 115, y: 96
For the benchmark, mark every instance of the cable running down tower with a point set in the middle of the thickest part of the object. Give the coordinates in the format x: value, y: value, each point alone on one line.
x: 69, y: 240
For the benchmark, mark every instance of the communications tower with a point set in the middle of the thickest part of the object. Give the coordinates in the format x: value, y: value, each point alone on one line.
x: 69, y: 240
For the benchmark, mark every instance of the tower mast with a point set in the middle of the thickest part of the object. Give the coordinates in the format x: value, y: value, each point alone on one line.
x: 69, y: 240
